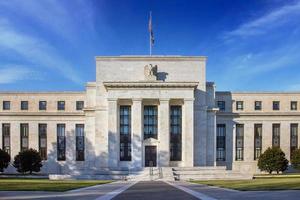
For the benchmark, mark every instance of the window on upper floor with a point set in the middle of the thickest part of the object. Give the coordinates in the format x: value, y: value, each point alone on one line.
x: 239, y: 105
x: 6, y: 105
x: 24, y: 105
x: 61, y: 105
x: 42, y: 105
x: 221, y: 105
x: 294, y: 105
x: 257, y: 105
x: 276, y: 105
x: 79, y: 105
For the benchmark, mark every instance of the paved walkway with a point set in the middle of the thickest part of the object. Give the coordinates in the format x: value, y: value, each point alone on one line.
x: 156, y: 190
x: 212, y: 193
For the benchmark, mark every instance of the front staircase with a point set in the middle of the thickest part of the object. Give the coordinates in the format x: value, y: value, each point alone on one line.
x: 161, y: 173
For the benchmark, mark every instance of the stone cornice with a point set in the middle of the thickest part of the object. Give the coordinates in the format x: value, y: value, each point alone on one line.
x: 151, y: 58
x: 42, y: 114
x: 258, y: 114
x: 150, y: 84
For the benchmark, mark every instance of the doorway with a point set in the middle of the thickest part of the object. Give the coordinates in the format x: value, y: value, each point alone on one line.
x: 150, y: 156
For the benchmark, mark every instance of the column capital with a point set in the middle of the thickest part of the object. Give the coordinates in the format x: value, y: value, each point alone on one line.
x: 189, y: 99
x: 112, y: 99
x: 164, y: 99
x: 137, y: 99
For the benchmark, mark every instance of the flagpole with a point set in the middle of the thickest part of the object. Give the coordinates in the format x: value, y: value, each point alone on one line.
x: 150, y: 39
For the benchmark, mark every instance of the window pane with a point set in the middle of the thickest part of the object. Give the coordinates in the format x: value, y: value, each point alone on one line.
x: 175, y: 134
x: 150, y: 122
x: 61, y: 142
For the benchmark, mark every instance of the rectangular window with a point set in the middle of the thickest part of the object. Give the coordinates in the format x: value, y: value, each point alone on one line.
x: 239, y: 105
x: 175, y: 133
x: 258, y: 105
x: 6, y: 137
x: 150, y: 122
x: 276, y: 135
x: 257, y: 140
x: 43, y: 141
x: 61, y: 142
x: 79, y: 142
x: 6, y: 105
x: 24, y: 133
x: 125, y: 133
x: 61, y: 105
x: 276, y: 105
x: 221, y: 105
x: 43, y: 105
x: 79, y: 105
x: 239, y: 143
x: 294, y: 105
x: 221, y: 142
x: 24, y: 105
x: 294, y: 138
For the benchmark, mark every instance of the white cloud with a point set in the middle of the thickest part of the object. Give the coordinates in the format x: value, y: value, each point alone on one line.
x: 268, y: 21
x: 35, y: 50
x: 12, y: 74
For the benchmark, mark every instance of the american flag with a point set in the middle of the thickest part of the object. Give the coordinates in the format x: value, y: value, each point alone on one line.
x: 150, y: 30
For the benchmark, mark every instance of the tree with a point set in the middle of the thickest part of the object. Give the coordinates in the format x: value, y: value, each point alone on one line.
x: 28, y: 161
x: 4, y: 160
x: 273, y: 159
x: 296, y: 159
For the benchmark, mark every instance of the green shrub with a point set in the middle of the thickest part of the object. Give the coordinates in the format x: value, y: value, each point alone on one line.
x: 28, y: 161
x: 295, y: 160
x: 273, y: 159
x: 4, y: 160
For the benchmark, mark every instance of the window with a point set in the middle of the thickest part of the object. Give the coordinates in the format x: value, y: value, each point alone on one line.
x: 79, y: 105
x: 257, y: 140
x: 61, y: 142
x: 79, y: 129
x: 294, y: 105
x: 6, y: 105
x: 60, y: 105
x: 43, y: 141
x: 239, y: 105
x: 294, y: 138
x: 276, y: 105
x: 175, y: 133
x: 125, y: 133
x: 276, y: 135
x: 6, y: 137
x: 221, y: 105
x: 24, y: 132
x: 239, y: 142
x: 257, y: 105
x: 42, y: 105
x: 221, y: 142
x: 150, y: 122
x: 24, y: 105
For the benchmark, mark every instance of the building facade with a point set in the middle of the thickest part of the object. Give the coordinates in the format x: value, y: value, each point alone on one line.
x: 143, y: 111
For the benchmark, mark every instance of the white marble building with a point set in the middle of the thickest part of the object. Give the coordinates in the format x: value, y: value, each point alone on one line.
x: 148, y: 111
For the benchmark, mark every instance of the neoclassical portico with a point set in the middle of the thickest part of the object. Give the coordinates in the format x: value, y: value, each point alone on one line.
x: 162, y: 96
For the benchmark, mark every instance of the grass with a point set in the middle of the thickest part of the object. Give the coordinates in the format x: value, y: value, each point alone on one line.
x: 17, y: 184
x: 256, y: 184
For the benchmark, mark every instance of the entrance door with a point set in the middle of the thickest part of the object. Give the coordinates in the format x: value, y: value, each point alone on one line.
x: 150, y: 156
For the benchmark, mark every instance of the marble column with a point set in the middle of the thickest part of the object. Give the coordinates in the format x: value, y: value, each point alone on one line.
x: 188, y: 133
x: 137, y: 137
x: 113, y: 135
x: 164, y: 133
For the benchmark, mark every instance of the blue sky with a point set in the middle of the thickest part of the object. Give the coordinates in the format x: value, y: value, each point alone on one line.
x: 50, y: 45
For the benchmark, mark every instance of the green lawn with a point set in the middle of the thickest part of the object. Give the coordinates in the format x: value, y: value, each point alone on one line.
x: 15, y: 184
x: 256, y: 184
